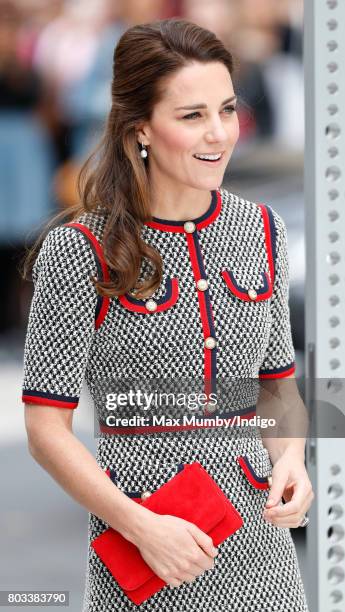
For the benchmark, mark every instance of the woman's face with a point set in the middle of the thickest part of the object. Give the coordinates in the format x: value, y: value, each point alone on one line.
x: 175, y: 135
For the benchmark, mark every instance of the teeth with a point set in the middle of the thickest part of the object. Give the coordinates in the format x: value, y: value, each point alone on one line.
x: 211, y: 157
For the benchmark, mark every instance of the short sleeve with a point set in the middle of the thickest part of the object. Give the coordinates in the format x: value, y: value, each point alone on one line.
x: 61, y: 322
x: 279, y: 360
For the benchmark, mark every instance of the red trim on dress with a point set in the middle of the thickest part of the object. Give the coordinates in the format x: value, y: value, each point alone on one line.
x: 32, y: 399
x: 279, y: 374
x: 243, y: 295
x: 214, y: 215
x: 106, y: 277
x: 203, y: 315
x: 268, y: 239
x: 258, y: 484
x: 167, y: 227
x: 160, y: 307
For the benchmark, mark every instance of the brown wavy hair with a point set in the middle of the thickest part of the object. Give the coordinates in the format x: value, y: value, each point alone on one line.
x: 115, y: 175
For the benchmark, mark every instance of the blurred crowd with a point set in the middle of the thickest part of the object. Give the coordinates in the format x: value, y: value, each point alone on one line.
x: 55, y: 73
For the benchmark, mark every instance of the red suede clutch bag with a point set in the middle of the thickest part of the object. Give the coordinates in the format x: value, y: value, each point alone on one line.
x: 191, y: 494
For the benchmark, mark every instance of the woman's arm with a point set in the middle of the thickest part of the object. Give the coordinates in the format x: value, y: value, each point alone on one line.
x: 54, y: 446
x: 175, y: 549
x: 279, y: 399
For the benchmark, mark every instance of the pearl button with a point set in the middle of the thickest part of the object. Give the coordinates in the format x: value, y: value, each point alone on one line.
x: 145, y: 494
x: 210, y: 407
x: 151, y: 305
x: 202, y: 284
x: 189, y: 227
x: 252, y: 294
x: 210, y: 342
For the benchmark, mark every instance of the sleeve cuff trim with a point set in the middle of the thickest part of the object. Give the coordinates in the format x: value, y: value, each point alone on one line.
x: 278, y: 372
x: 51, y: 399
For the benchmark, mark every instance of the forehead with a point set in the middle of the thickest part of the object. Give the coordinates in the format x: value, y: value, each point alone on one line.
x: 198, y: 82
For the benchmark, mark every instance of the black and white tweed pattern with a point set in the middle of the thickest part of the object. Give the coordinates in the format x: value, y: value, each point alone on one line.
x: 257, y: 568
x: 61, y: 322
x: 252, y: 337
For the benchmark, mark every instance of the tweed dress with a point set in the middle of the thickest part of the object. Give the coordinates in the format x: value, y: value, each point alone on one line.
x: 220, y: 312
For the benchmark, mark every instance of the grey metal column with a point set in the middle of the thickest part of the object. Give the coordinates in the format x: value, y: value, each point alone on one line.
x: 324, y: 57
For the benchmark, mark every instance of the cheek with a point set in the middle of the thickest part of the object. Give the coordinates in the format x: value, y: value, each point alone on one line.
x: 235, y: 130
x: 176, y: 139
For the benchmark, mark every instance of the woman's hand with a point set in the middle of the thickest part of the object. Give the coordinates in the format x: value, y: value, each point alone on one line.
x: 175, y: 549
x: 290, y: 480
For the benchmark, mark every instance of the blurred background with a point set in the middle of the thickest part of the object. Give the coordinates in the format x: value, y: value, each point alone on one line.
x: 55, y: 73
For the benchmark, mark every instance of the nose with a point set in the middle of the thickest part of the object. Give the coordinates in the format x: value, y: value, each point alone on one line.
x: 216, y: 131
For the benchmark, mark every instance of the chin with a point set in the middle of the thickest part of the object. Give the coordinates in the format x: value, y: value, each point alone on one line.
x: 210, y: 185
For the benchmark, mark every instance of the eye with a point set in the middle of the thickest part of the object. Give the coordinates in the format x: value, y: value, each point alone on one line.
x: 230, y: 109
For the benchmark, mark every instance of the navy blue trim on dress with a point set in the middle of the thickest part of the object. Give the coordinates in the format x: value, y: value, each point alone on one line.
x: 208, y: 310
x: 113, y: 475
x: 48, y: 395
x: 278, y: 370
x: 136, y: 494
x: 252, y: 471
x: 208, y: 213
x: 207, y: 291
x: 273, y: 232
x: 98, y: 265
x: 161, y: 300
x: 243, y: 290
x: 113, y: 478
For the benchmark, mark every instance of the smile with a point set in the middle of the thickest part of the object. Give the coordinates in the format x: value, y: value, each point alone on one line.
x: 210, y: 158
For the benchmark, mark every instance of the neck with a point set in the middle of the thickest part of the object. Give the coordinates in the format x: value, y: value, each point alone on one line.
x: 182, y: 204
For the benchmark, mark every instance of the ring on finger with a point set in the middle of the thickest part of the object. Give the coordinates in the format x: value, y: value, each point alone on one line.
x: 304, y: 522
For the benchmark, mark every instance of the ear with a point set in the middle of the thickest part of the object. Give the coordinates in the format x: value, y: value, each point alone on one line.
x: 143, y: 135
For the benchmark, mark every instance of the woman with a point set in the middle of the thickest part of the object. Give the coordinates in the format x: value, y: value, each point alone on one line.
x: 192, y: 283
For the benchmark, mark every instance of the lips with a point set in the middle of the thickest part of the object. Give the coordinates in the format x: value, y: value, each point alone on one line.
x: 209, y: 153
x: 210, y: 161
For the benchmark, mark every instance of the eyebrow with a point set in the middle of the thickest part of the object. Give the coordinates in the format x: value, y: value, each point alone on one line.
x: 196, y: 106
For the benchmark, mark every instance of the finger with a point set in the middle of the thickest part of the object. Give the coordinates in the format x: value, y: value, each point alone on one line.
x: 190, y: 577
x: 174, y: 582
x: 306, y: 504
x: 286, y: 521
x: 185, y: 577
x: 279, y: 482
x: 197, y: 569
x: 292, y: 521
x: 273, y: 517
x: 203, y: 540
x: 299, y: 494
x: 298, y: 501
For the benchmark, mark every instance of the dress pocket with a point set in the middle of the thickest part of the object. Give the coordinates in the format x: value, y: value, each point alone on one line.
x: 139, y: 495
x: 256, y: 468
x: 153, y: 305
x: 248, y: 291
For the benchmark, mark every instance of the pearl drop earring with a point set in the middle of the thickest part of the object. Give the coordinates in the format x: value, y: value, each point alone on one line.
x: 143, y: 151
